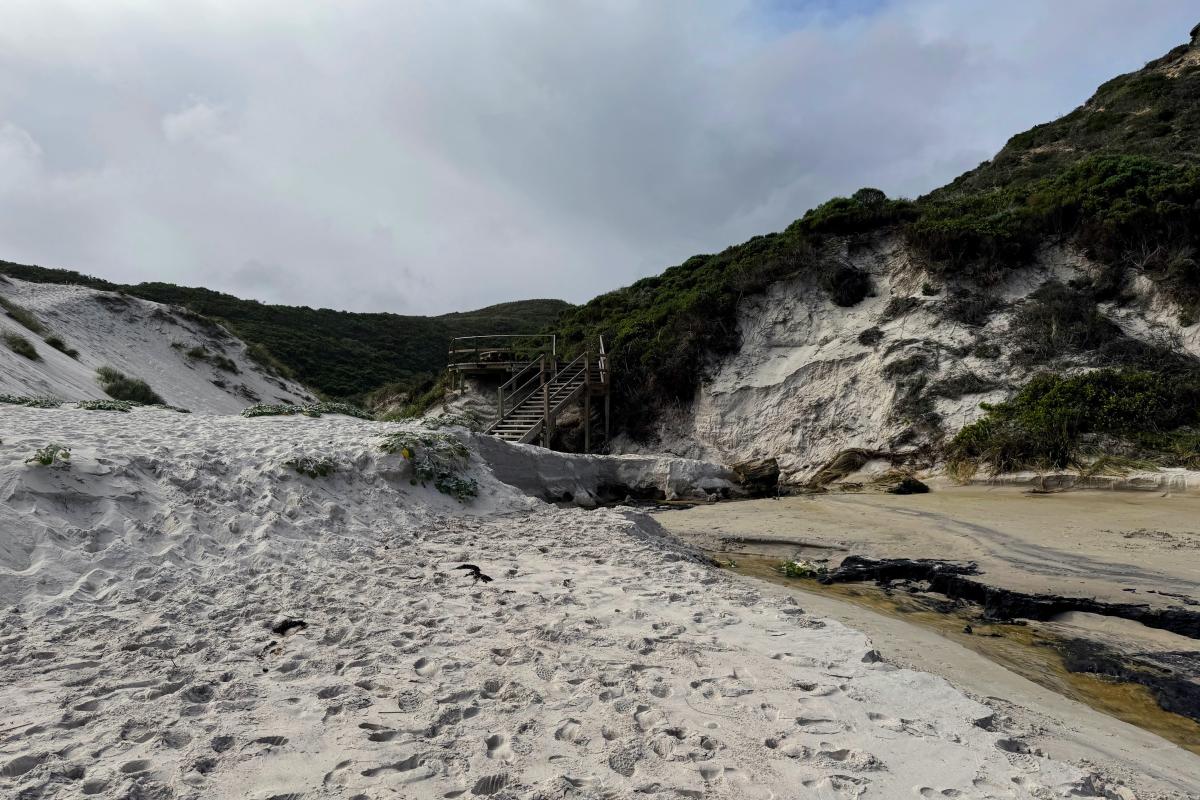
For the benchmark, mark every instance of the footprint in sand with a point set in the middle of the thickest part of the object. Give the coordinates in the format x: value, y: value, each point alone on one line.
x: 648, y: 718
x: 821, y: 726
x: 624, y: 761
x: 134, y: 767
x: 498, y: 748
x: 417, y: 761
x: 845, y: 758
x: 20, y: 765
x: 571, y: 730
x: 844, y: 787
x: 339, y: 775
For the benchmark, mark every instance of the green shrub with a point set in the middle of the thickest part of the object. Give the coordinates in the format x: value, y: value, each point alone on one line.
x: 865, y: 210
x: 801, y: 569
x: 470, y: 421
x: 201, y: 353
x: 986, y: 351
x: 22, y: 315
x: 50, y: 455
x: 308, y: 410
x: 973, y: 309
x: 1057, y: 320
x: 312, y: 466
x: 20, y: 345
x: 960, y: 384
x: 121, y: 387
x: 846, y: 285
x: 31, y: 402
x: 870, y: 336
x: 1043, y: 423
x: 436, y: 457
x: 422, y: 397
x: 1110, y: 204
x: 105, y: 405
x: 259, y: 354
x: 58, y: 344
x: 224, y: 363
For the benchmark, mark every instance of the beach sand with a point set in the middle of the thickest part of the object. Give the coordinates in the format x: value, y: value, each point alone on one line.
x: 140, y: 585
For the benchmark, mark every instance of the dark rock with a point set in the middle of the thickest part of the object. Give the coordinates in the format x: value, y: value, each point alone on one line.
x: 758, y: 476
x: 950, y: 579
x: 909, y: 485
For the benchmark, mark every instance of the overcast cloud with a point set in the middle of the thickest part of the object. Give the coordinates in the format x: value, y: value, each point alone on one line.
x: 437, y: 156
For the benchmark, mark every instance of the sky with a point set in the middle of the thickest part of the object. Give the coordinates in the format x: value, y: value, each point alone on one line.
x: 425, y: 157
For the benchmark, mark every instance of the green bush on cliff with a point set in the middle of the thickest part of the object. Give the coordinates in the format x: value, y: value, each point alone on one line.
x: 1043, y: 424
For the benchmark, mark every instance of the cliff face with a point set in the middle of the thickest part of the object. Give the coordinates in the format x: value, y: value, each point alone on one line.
x: 907, y: 367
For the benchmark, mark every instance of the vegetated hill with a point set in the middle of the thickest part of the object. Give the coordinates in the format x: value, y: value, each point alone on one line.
x: 62, y: 342
x: 341, y: 354
x: 881, y: 324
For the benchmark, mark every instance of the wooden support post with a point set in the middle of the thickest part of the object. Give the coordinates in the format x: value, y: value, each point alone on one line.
x: 606, y: 396
x: 587, y: 402
x: 545, y: 408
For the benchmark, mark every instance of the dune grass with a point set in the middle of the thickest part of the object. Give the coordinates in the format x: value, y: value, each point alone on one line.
x: 121, y: 387
x: 58, y: 344
x: 20, y: 345
x: 22, y: 315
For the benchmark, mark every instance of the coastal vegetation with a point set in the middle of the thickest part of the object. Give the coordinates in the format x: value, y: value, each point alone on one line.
x: 119, y: 386
x: 50, y: 455
x: 1056, y: 422
x: 436, y: 458
x: 29, y: 402
x: 307, y: 410
x: 21, y: 315
x: 341, y: 355
x: 20, y: 345
x: 312, y: 466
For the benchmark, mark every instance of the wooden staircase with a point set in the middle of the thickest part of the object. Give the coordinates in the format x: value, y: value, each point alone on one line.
x: 532, y: 400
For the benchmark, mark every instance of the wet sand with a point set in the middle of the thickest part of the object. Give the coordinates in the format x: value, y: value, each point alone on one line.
x: 1089, y: 544
x: 1118, y: 547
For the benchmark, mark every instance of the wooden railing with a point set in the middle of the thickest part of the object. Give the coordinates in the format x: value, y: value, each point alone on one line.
x: 602, y: 364
x: 524, y: 383
x: 502, y: 349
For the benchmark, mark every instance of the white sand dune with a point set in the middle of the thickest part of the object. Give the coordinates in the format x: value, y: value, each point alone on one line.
x: 138, y: 338
x: 139, y: 586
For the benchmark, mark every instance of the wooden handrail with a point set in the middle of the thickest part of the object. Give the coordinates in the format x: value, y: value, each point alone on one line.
x: 468, y: 349
x: 539, y: 364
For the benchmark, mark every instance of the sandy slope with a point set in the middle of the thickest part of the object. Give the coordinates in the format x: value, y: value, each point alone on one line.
x: 139, y: 338
x: 139, y: 585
